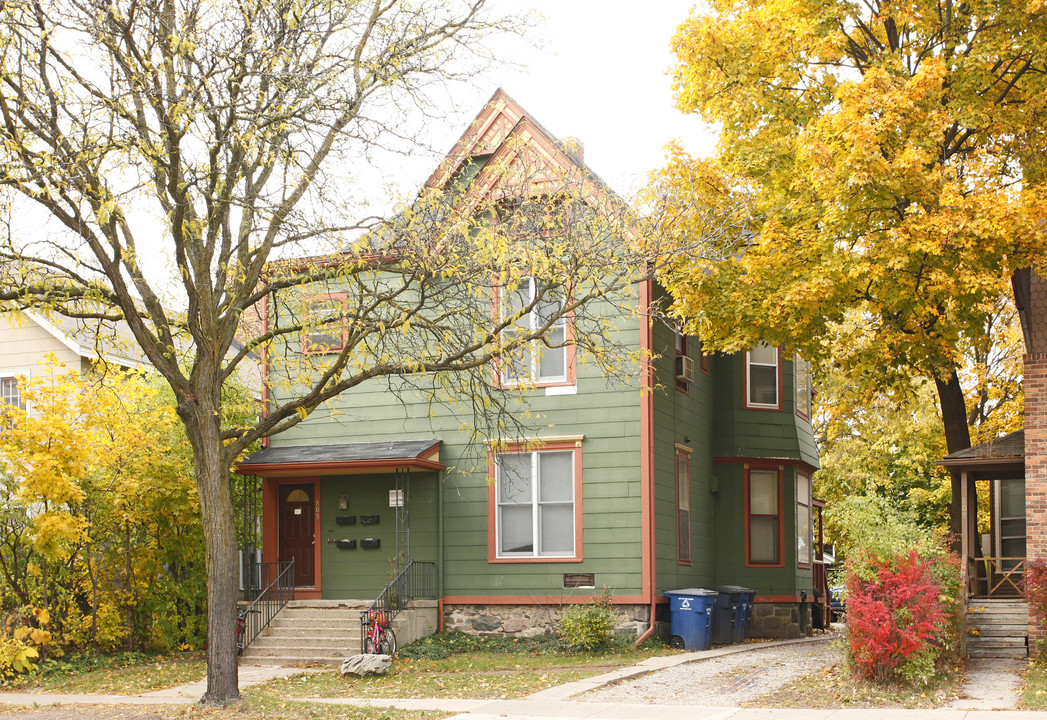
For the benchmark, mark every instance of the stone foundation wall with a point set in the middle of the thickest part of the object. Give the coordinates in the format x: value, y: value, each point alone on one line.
x: 531, y: 620
x: 783, y: 620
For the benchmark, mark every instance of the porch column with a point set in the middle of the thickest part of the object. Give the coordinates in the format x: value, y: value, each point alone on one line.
x: 1035, y: 327
x: 965, y: 531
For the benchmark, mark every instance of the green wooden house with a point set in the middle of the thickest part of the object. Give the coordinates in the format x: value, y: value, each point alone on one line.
x: 696, y: 473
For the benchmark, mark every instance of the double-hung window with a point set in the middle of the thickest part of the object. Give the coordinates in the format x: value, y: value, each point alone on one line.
x: 683, y: 505
x: 545, y: 360
x: 11, y: 398
x: 762, y: 377
x: 326, y: 329
x: 802, y: 372
x: 803, y: 519
x: 535, y: 504
x: 764, y: 516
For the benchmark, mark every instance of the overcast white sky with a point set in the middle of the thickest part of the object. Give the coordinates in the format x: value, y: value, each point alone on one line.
x: 600, y: 75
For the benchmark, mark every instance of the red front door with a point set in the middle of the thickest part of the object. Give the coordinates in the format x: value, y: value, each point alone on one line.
x: 296, y: 536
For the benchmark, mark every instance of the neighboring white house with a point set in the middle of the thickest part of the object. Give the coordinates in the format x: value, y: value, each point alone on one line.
x: 27, y: 337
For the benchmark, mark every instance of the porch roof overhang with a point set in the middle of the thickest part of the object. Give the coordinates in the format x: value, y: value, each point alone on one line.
x: 348, y: 458
x: 996, y: 459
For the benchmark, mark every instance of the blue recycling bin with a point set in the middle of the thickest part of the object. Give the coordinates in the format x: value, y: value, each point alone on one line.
x: 690, y: 616
x: 733, y: 614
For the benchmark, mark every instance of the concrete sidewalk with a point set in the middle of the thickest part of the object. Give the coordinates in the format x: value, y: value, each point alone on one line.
x: 180, y: 695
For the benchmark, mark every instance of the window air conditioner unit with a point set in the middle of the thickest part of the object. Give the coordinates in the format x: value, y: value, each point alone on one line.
x: 684, y: 369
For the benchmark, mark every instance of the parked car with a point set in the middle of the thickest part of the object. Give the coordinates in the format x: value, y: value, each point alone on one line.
x: 837, y: 606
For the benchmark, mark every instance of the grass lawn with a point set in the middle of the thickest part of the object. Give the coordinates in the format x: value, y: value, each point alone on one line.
x: 124, y: 673
x: 442, y: 666
x: 453, y: 665
x: 1034, y: 694
x: 837, y: 688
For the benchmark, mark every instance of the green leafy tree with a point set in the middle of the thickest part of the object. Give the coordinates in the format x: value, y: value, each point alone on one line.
x: 889, y: 158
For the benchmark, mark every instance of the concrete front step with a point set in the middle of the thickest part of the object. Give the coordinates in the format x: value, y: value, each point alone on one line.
x: 268, y: 641
x: 292, y: 661
x: 316, y: 626
x: 297, y: 650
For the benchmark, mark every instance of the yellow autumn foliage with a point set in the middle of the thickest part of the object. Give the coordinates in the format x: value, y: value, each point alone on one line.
x: 103, y: 526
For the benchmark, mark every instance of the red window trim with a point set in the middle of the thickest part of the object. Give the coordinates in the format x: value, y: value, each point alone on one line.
x: 810, y: 520
x: 703, y: 358
x: 745, y: 384
x: 780, y: 560
x: 683, y: 454
x: 492, y: 500
x: 306, y: 350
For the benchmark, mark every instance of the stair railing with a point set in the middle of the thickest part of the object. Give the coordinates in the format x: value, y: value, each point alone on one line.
x: 278, y: 591
x: 416, y: 580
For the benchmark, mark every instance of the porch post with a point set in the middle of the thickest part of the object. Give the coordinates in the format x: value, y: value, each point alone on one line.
x: 965, y: 532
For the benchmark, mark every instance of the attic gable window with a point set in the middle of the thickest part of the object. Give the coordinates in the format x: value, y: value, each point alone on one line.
x: 327, y: 329
x: 545, y: 361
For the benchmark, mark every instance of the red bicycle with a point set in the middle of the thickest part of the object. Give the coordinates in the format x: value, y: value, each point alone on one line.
x: 241, y: 627
x: 379, y: 638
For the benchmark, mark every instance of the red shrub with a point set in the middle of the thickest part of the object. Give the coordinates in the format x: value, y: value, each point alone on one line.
x: 893, y: 618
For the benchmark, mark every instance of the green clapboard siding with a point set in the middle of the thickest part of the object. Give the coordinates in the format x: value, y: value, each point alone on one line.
x: 362, y: 573
x: 606, y: 413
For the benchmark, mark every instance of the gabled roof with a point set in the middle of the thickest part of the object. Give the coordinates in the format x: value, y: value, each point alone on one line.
x: 94, y: 340
x: 346, y: 458
x: 503, y: 136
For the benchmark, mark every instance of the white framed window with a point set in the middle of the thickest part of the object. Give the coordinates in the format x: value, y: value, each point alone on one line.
x: 11, y: 391
x: 544, y: 361
x: 762, y: 377
x: 326, y: 333
x: 803, y: 519
x: 535, y: 504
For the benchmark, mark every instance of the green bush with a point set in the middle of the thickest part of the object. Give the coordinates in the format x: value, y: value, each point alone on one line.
x: 587, y: 627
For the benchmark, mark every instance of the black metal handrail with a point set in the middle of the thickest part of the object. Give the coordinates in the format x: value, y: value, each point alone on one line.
x: 416, y: 580
x: 277, y: 592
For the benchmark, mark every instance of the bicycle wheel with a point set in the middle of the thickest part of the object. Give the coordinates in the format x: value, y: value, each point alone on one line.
x: 370, y: 643
x: 387, y: 642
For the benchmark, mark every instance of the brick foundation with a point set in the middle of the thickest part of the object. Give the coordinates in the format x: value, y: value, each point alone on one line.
x: 531, y: 620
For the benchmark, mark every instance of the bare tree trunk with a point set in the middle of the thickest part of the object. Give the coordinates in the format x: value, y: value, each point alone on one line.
x: 957, y: 437
x: 212, y: 481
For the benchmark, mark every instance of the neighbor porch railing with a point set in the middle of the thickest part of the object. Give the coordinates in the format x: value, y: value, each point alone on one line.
x: 416, y: 580
x: 277, y: 583
x: 996, y: 576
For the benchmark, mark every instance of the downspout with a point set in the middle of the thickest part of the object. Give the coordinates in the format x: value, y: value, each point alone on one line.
x: 440, y: 551
x: 647, y: 552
